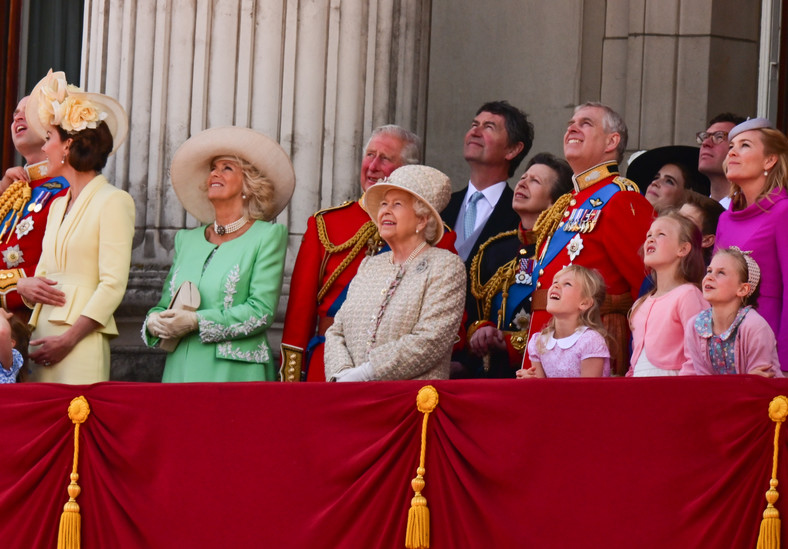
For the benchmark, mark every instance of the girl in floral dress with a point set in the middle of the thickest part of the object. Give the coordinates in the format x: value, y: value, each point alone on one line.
x: 730, y: 337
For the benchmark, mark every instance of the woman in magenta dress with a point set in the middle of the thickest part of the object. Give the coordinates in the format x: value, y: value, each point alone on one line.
x: 757, y: 167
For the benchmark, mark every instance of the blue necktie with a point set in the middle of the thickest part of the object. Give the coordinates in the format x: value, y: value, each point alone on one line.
x: 470, y: 213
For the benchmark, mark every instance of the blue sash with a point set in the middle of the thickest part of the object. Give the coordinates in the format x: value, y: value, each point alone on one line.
x: 39, y: 195
x: 561, y: 238
x: 517, y: 294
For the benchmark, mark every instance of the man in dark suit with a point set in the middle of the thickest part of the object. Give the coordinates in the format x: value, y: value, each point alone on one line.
x: 499, y: 138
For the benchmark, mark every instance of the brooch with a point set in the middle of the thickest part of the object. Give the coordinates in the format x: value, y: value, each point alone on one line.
x: 24, y: 227
x: 574, y: 247
x: 13, y: 256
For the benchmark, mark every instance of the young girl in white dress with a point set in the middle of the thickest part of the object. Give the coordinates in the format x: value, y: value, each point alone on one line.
x: 573, y: 344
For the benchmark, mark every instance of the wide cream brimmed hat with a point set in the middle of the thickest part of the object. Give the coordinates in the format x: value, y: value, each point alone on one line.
x: 54, y: 102
x: 191, y: 167
x: 429, y: 185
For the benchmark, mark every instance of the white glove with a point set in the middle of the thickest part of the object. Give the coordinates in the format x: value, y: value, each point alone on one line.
x: 177, y: 322
x: 154, y: 325
x: 359, y: 373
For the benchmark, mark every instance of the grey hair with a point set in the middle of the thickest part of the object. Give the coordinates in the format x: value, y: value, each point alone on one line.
x: 422, y: 210
x: 411, y: 143
x: 612, y: 122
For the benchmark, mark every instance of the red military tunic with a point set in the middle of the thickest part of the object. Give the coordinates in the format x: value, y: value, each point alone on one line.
x: 335, y: 238
x: 21, y: 235
x: 612, y: 247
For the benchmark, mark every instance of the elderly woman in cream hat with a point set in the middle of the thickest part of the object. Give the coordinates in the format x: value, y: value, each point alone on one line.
x: 86, y: 251
x: 223, y: 288
x: 403, y: 308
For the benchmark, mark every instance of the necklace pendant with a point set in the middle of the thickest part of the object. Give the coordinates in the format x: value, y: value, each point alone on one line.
x: 220, y: 230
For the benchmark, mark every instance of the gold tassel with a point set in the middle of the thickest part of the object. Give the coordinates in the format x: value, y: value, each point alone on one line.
x: 69, y: 534
x: 769, y: 536
x: 417, y: 535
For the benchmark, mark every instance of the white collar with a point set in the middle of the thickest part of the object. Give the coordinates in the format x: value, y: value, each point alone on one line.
x: 492, y: 193
x: 565, y: 342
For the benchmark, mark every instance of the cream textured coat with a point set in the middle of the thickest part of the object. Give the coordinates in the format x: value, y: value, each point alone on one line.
x: 418, y: 327
x: 88, y: 253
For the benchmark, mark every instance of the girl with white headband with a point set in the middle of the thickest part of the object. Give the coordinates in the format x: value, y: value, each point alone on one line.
x: 730, y: 337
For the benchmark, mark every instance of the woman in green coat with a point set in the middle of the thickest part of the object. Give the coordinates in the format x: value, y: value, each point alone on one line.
x: 235, y: 180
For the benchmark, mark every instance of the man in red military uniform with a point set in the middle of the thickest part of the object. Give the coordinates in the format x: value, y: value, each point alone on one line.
x: 601, y: 224
x: 27, y: 193
x: 335, y: 242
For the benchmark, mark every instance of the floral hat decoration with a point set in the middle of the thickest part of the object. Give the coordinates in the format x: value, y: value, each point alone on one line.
x: 55, y: 102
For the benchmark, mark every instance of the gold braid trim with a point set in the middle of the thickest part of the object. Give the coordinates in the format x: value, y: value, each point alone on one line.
x: 14, y: 197
x: 548, y: 221
x: 500, y: 281
x: 368, y: 232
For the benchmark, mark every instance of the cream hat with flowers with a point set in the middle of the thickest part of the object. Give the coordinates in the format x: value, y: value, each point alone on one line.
x: 429, y: 185
x: 55, y: 102
x: 191, y: 167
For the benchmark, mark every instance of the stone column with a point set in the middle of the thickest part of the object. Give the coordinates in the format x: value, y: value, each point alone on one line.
x: 316, y: 75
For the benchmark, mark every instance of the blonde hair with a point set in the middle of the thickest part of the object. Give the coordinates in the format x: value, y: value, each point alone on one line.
x: 774, y: 143
x: 692, y: 267
x: 592, y: 287
x: 743, y: 270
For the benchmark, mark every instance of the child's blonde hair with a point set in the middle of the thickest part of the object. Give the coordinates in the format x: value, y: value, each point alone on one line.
x: 743, y: 270
x: 593, y: 287
x: 692, y: 267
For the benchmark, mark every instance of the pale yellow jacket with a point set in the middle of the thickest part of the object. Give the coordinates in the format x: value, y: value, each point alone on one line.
x: 88, y: 252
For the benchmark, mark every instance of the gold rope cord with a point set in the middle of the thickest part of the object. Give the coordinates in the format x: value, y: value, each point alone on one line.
x: 500, y: 281
x: 69, y: 534
x: 367, y: 232
x: 548, y: 221
x: 14, y: 197
x: 417, y: 535
x: 769, y: 535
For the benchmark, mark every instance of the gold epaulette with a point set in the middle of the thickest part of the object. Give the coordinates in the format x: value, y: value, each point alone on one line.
x: 345, y: 204
x: 501, y: 280
x: 626, y: 184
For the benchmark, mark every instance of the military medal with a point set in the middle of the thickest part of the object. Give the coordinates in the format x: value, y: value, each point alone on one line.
x: 525, y: 269
x: 574, y: 247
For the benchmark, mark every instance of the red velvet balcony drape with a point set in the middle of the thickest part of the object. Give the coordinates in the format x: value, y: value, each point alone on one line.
x: 615, y: 463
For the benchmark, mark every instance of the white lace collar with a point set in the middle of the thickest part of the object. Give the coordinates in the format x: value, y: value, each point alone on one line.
x: 565, y: 342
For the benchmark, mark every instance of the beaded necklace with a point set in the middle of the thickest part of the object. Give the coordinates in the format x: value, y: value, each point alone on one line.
x: 389, y: 292
x: 222, y: 230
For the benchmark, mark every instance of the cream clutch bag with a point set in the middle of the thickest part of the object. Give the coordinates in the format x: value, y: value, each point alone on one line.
x: 187, y: 298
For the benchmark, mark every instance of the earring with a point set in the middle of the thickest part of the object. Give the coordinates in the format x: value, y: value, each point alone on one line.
x: 243, y: 196
x: 63, y: 160
x: 417, y: 231
x: 765, y: 172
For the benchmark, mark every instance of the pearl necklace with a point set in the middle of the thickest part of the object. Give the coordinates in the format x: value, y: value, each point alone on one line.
x: 411, y: 257
x: 222, y: 230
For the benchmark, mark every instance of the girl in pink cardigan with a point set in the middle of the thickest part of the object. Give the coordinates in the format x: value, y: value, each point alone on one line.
x: 730, y: 337
x: 674, y: 255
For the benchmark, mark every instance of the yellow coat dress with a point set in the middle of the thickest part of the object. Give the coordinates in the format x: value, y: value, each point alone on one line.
x: 88, y: 253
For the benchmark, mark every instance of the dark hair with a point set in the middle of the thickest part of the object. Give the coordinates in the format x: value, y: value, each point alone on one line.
x: 89, y: 148
x: 727, y: 117
x: 518, y: 128
x: 563, y: 182
x: 21, y: 336
x: 710, y: 208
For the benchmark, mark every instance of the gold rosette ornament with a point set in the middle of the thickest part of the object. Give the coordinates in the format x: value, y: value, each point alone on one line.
x: 417, y: 535
x: 69, y: 533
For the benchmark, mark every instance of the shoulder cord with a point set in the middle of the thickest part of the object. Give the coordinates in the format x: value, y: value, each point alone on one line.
x: 548, y: 221
x: 501, y: 280
x: 368, y: 232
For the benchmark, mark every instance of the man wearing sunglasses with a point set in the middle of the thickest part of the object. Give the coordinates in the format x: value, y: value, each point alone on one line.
x: 713, y: 149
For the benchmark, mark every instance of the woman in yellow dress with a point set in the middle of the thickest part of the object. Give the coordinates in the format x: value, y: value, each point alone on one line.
x: 86, y: 252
